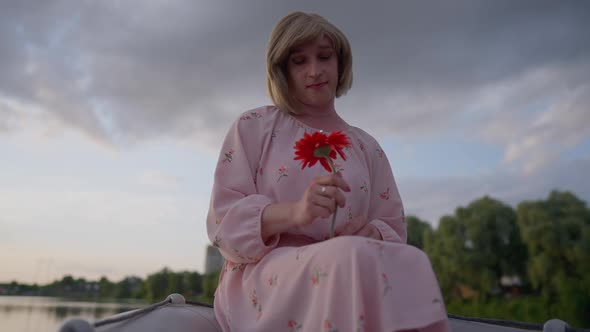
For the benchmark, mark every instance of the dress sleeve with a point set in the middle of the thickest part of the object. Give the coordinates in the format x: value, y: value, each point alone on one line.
x: 234, y: 218
x: 386, y: 211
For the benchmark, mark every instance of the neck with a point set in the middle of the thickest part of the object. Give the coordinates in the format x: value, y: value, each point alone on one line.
x: 321, y: 117
x: 318, y: 112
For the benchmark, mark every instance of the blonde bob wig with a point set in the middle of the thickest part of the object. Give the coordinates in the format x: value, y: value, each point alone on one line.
x: 293, y: 30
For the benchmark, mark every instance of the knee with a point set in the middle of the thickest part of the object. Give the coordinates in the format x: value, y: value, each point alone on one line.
x: 345, y: 248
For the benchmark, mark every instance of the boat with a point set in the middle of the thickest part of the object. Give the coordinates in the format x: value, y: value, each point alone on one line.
x: 177, y: 314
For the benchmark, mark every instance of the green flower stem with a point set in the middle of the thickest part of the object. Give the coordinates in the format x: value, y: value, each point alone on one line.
x: 333, y: 224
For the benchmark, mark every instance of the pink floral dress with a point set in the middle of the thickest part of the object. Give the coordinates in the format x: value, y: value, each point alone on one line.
x: 300, y: 280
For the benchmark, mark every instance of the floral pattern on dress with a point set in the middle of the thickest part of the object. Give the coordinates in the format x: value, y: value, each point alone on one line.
x: 294, y: 326
x: 317, y: 276
x: 216, y: 242
x: 237, y: 253
x: 283, y: 172
x: 329, y: 326
x: 250, y: 116
x: 237, y: 266
x: 349, y: 213
x: 364, y: 187
x: 385, y: 195
x: 338, y: 167
x: 360, y: 324
x: 379, y: 245
x: 386, y: 286
x: 272, y: 281
x: 228, y: 156
x: 380, y: 153
x: 361, y: 145
x: 256, y: 304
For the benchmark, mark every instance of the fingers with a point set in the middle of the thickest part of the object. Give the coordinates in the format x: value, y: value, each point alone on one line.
x: 321, y: 197
x: 332, y: 186
x: 331, y: 193
x: 321, y: 211
x: 324, y: 200
x: 334, y: 180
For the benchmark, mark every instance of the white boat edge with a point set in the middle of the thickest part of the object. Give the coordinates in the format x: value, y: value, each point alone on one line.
x: 176, y: 314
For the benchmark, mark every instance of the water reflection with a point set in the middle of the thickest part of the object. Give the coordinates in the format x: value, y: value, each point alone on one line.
x: 21, y: 313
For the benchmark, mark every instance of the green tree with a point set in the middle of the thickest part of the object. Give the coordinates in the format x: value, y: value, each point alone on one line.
x: 446, y: 252
x: 128, y: 287
x: 193, y: 282
x: 557, y: 234
x: 417, y: 231
x: 477, y: 246
x: 106, y: 288
x: 158, y: 285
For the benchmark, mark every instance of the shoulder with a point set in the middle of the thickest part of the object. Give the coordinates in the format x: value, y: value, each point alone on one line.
x: 371, y: 148
x: 365, y: 138
x: 259, y: 113
x: 256, y: 118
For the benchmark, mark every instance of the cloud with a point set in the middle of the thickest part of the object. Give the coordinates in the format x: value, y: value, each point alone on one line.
x: 431, y: 198
x: 548, y: 117
x: 155, y: 178
x: 8, y: 118
x: 126, y: 72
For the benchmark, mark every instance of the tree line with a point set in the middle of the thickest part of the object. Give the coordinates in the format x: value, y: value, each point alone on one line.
x: 531, y: 264
x: 155, y: 287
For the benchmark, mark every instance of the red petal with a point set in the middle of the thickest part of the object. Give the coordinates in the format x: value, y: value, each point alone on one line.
x: 305, y: 148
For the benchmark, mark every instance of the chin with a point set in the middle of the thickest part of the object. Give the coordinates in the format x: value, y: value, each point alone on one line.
x: 320, y: 102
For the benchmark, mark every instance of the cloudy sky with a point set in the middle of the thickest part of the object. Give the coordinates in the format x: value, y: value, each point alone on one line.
x: 112, y: 112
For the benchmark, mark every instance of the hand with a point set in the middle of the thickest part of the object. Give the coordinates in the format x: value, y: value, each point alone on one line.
x: 320, y: 199
x: 359, y: 227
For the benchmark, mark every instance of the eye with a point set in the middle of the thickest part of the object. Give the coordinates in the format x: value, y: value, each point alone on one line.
x: 297, y: 60
x: 325, y: 56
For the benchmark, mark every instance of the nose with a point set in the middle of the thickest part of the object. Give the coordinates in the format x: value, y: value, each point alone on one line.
x: 314, y: 69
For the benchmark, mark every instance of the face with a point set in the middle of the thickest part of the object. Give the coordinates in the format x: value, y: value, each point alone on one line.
x: 313, y: 73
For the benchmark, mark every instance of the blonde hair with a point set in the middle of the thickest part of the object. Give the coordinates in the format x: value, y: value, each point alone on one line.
x: 295, y: 29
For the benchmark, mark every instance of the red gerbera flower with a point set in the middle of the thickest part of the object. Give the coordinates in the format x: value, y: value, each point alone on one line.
x: 319, y: 147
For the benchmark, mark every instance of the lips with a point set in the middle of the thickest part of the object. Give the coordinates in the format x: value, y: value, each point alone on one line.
x: 317, y: 85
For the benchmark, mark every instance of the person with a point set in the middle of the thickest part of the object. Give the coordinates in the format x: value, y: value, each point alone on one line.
x: 270, y: 218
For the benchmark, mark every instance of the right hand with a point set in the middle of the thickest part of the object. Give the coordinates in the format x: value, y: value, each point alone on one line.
x: 319, y: 199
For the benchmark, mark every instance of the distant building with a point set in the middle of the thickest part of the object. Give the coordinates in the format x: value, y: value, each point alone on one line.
x: 213, y: 260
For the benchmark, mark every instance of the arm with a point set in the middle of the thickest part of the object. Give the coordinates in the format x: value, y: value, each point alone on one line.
x: 276, y: 219
x: 234, y: 222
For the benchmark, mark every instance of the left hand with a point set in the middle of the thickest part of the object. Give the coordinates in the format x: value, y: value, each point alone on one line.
x: 359, y: 227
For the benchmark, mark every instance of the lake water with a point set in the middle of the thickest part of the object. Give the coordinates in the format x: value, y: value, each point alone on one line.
x: 34, y: 314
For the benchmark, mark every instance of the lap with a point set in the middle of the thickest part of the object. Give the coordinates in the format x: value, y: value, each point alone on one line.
x: 338, y: 251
